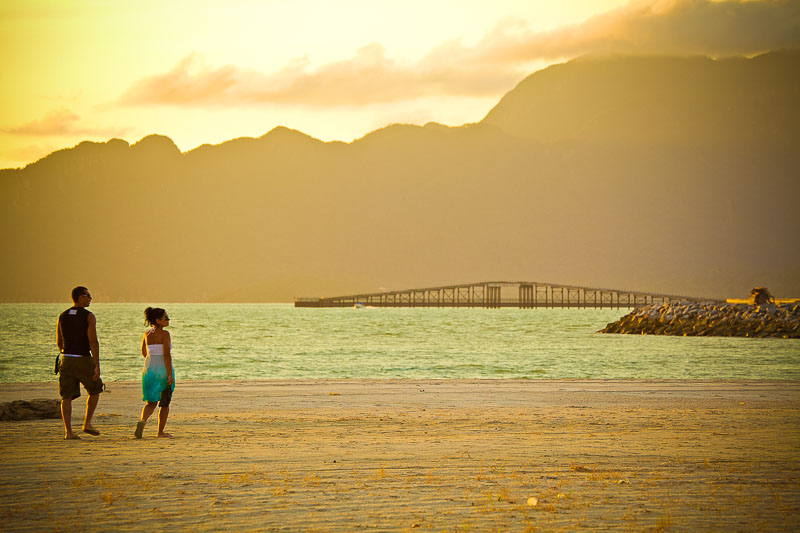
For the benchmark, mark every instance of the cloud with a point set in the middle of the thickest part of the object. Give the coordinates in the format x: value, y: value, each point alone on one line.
x: 701, y: 27
x: 61, y: 122
x: 56, y: 122
x: 697, y: 27
x: 368, y: 77
x: 181, y: 86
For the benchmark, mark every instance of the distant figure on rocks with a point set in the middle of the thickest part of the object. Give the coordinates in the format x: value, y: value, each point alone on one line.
x: 76, y: 337
x: 761, y: 296
x: 158, y: 375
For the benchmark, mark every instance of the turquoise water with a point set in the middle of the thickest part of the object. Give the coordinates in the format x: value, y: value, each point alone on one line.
x: 278, y: 341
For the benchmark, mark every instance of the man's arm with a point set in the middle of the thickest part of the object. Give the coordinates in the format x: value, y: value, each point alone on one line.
x: 94, y: 346
x: 59, y: 337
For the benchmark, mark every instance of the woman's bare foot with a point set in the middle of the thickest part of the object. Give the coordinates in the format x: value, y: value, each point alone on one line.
x: 71, y: 436
x: 164, y: 436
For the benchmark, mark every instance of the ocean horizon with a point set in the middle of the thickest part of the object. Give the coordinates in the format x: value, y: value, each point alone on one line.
x: 279, y: 341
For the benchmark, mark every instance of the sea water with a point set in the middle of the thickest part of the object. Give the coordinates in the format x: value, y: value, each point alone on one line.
x: 279, y: 341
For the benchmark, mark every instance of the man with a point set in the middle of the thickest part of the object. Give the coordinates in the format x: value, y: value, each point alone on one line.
x: 76, y: 336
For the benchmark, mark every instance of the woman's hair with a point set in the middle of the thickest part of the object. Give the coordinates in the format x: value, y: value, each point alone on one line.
x: 151, y: 314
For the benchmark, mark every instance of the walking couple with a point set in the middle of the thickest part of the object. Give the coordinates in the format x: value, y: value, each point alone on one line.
x: 76, y: 337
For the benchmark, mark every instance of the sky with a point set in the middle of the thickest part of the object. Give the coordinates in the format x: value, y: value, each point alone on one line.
x: 209, y: 71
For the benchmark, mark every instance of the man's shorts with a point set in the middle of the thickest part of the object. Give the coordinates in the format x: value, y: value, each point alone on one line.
x: 74, y: 371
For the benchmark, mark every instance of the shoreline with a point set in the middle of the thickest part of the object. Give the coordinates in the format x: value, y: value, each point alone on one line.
x: 344, y: 455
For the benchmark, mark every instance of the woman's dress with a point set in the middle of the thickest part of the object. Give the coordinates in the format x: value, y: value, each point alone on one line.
x: 154, y: 374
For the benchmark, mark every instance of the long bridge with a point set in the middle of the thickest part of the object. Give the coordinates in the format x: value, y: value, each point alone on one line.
x: 496, y: 294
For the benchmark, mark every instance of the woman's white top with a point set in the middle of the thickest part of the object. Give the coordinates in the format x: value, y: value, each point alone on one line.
x: 155, y: 356
x: 155, y: 349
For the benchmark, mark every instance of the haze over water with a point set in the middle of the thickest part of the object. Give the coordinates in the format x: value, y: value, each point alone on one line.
x: 278, y: 341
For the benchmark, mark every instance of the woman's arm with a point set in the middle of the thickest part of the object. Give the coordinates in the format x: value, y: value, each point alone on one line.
x: 144, y: 345
x: 94, y: 344
x: 168, y: 356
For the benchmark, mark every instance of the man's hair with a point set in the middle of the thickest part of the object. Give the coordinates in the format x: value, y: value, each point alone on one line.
x: 78, y: 291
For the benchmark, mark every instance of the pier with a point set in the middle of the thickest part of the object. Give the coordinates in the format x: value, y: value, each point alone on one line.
x: 497, y: 294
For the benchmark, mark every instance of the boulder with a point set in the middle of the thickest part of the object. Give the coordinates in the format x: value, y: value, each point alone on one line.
x: 30, y: 410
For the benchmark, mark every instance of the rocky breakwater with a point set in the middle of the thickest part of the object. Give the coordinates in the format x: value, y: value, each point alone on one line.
x: 711, y: 319
x: 30, y: 410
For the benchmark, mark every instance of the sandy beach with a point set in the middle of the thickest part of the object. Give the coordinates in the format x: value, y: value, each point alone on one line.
x: 450, y: 455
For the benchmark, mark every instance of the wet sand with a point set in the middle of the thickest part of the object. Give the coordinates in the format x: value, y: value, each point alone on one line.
x: 416, y: 456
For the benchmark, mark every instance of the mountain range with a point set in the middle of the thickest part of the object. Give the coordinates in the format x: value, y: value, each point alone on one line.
x: 664, y: 174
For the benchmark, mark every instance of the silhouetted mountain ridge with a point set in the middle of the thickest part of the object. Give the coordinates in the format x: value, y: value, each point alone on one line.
x: 691, y: 99
x: 156, y: 145
x: 616, y: 172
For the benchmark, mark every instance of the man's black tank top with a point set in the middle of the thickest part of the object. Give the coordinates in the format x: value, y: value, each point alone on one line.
x: 74, y: 324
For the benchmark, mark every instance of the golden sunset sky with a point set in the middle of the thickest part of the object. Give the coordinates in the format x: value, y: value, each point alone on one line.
x: 208, y: 71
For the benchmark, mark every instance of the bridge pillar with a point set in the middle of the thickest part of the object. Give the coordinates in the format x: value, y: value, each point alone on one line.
x: 526, y: 296
x: 491, y: 297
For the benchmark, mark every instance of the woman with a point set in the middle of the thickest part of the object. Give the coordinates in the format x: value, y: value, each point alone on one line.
x: 158, y: 376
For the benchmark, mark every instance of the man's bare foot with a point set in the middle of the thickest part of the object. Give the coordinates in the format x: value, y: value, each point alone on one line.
x: 71, y: 436
x: 164, y: 436
x: 90, y: 430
